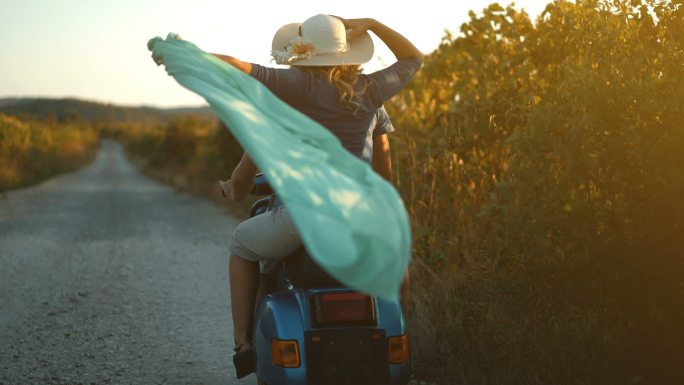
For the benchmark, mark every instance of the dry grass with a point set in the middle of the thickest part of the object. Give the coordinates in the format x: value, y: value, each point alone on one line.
x: 31, y: 151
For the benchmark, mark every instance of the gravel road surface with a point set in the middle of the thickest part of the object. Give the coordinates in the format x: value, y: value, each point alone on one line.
x: 107, y: 277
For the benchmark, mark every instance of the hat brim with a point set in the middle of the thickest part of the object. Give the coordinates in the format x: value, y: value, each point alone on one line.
x: 360, y: 49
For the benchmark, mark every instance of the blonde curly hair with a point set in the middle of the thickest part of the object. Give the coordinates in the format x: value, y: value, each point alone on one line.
x: 344, y: 78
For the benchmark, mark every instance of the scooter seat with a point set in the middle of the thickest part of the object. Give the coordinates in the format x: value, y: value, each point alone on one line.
x: 301, y: 271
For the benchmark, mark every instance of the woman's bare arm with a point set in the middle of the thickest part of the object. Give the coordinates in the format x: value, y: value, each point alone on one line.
x: 400, y: 46
x: 243, y: 66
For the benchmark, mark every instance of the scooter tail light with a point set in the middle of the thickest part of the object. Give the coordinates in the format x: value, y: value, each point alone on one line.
x: 343, y: 308
x: 285, y: 353
x: 398, y: 349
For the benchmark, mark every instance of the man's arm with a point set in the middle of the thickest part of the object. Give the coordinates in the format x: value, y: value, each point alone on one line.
x: 382, y: 163
x: 241, y: 180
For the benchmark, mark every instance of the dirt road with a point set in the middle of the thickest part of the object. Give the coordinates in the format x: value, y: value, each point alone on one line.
x: 107, y: 277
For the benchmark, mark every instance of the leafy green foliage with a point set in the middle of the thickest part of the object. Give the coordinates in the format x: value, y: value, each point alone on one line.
x: 544, y: 177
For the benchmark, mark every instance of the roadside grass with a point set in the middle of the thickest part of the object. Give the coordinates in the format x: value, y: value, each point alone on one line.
x: 32, y: 150
x: 191, y: 153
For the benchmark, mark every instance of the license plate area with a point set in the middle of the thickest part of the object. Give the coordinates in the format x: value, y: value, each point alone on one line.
x: 347, y: 357
x: 342, y: 309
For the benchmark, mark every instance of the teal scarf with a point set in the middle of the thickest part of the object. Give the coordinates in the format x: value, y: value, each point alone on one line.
x: 352, y: 222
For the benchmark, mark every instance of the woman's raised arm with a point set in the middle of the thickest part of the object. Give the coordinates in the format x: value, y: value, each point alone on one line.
x: 400, y: 46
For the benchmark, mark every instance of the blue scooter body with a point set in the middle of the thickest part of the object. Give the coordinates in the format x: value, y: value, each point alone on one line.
x: 286, y: 315
x: 341, y: 353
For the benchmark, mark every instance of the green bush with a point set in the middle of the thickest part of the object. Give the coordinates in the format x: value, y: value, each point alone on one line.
x: 544, y: 178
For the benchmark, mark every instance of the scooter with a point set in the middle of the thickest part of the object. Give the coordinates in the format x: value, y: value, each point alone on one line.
x: 312, y: 330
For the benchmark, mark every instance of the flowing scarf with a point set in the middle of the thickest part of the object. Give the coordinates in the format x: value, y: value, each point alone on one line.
x: 352, y: 222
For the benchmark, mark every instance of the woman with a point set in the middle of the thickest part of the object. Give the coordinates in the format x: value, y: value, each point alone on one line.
x: 325, y: 83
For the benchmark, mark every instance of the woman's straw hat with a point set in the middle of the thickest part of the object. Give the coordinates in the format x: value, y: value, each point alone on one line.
x: 320, y: 40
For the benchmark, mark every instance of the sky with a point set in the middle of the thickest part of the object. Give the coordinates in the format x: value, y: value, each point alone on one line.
x: 96, y: 49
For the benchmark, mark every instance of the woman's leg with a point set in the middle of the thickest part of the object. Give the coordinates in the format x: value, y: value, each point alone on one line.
x: 244, y: 280
x: 268, y: 236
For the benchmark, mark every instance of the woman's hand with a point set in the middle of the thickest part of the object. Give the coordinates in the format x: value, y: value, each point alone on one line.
x: 401, y: 47
x: 357, y: 27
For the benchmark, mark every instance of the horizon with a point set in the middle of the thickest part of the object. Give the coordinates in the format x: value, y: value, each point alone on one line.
x: 86, y: 100
x: 97, y: 52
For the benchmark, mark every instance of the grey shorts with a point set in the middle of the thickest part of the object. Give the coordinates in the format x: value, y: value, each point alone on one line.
x: 266, y: 238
